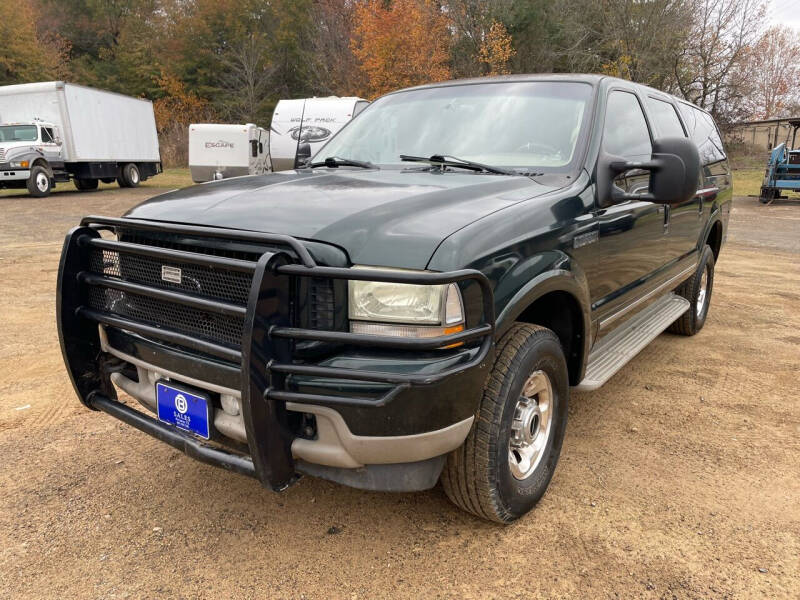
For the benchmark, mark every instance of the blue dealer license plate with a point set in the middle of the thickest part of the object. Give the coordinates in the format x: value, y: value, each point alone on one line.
x: 183, y: 409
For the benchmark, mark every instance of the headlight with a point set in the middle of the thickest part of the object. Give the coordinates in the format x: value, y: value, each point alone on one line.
x: 424, y: 310
x: 23, y: 164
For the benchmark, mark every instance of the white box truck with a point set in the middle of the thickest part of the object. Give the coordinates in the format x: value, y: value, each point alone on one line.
x: 311, y: 121
x: 219, y: 151
x: 54, y: 132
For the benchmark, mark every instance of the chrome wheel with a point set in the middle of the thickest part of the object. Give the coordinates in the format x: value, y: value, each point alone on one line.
x: 702, y: 294
x: 134, y: 175
x: 42, y: 182
x: 530, y: 429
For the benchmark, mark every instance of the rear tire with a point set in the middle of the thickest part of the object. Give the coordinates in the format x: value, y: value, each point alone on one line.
x: 767, y: 195
x: 130, y: 176
x: 86, y: 185
x: 39, y: 183
x: 504, y: 467
x: 697, y: 290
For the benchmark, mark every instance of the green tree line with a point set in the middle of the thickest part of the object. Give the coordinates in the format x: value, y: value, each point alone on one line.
x: 232, y: 60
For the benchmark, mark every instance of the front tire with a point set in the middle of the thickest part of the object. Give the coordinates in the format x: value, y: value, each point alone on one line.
x: 39, y: 183
x: 697, y: 290
x: 506, y: 463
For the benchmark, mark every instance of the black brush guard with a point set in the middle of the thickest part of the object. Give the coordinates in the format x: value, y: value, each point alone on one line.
x: 266, y: 350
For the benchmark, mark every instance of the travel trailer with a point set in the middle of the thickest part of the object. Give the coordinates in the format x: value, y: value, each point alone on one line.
x: 219, y: 151
x: 54, y: 132
x: 311, y: 121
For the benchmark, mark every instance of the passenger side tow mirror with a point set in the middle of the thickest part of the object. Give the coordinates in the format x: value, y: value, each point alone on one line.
x: 303, y: 155
x: 674, y: 171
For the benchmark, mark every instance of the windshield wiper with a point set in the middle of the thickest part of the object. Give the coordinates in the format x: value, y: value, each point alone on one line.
x: 445, y: 160
x: 333, y: 162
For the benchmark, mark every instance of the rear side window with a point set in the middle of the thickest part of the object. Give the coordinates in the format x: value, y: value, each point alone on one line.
x: 625, y: 131
x: 665, y: 118
x: 703, y: 132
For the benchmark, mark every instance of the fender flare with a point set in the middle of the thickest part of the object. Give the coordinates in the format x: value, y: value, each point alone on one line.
x: 713, y: 219
x: 39, y: 160
x: 572, y: 282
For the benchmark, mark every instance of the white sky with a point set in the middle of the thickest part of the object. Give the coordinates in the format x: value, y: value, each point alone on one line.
x: 784, y: 12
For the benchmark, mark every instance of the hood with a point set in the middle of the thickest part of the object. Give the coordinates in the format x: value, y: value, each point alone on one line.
x: 11, y: 148
x: 387, y: 218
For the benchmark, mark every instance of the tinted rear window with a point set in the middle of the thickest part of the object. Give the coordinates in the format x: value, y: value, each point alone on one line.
x: 703, y: 132
x: 665, y: 118
x: 625, y: 132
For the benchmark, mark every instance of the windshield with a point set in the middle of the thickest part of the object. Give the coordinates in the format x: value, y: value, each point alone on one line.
x: 523, y: 124
x: 18, y: 133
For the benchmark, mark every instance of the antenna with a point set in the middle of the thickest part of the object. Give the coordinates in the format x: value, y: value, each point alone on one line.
x: 299, y: 133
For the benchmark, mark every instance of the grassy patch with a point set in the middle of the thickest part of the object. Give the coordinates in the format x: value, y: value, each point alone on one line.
x: 168, y: 180
x: 747, y: 182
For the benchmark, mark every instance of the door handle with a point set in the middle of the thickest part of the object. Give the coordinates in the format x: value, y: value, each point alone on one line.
x: 709, y: 193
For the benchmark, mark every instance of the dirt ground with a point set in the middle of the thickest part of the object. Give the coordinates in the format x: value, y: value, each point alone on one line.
x: 680, y: 478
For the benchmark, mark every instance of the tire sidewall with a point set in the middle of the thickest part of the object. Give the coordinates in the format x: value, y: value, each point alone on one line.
x: 707, y: 265
x: 519, y: 496
x: 132, y: 175
x: 33, y: 189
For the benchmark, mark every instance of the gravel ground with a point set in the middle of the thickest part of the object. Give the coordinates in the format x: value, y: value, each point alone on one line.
x: 680, y: 478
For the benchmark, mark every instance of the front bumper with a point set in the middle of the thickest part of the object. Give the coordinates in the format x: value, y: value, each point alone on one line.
x: 415, y: 412
x: 335, y: 443
x: 7, y: 174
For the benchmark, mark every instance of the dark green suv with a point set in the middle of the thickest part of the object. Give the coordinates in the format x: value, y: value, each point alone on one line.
x: 416, y: 301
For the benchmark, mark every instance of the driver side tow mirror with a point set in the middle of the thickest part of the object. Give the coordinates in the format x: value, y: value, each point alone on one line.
x: 674, y: 170
x: 303, y: 155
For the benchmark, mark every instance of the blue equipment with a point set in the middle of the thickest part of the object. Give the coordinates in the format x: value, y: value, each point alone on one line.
x: 783, y: 169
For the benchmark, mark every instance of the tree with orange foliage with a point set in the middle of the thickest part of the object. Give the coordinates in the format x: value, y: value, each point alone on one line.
x: 174, y: 111
x: 400, y: 44
x: 178, y: 104
x: 496, y: 50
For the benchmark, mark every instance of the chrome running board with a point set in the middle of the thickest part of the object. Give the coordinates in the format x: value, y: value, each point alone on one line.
x: 614, y: 350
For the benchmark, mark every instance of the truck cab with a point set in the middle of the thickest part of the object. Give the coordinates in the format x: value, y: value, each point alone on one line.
x: 418, y: 302
x: 23, y: 148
